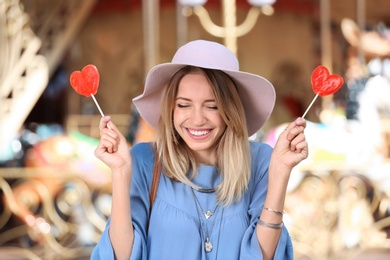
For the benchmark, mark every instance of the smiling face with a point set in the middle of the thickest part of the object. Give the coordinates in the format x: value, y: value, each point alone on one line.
x: 196, y: 117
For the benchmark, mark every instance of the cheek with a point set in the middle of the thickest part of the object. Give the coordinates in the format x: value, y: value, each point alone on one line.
x: 219, y: 120
x: 177, y: 119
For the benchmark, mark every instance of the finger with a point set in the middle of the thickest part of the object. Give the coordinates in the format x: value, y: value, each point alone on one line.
x: 296, y: 140
x: 109, y: 132
x: 300, y: 147
x: 300, y: 122
x: 113, y: 140
x: 294, y: 132
x: 110, y: 147
x: 297, y: 130
x: 289, y: 127
x: 108, y: 143
x: 106, y: 126
x: 302, y: 150
x: 102, y: 148
x: 298, y: 143
x: 112, y: 125
x: 103, y: 122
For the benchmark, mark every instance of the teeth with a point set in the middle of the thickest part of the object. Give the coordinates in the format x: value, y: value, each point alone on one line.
x: 198, y: 133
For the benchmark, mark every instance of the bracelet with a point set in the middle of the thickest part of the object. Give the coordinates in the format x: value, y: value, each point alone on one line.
x: 270, y: 225
x: 273, y: 210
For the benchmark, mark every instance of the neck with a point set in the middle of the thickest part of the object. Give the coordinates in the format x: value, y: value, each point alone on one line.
x: 206, y: 159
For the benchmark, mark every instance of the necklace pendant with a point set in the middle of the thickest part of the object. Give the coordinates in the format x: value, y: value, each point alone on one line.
x: 208, y: 247
x: 207, y: 214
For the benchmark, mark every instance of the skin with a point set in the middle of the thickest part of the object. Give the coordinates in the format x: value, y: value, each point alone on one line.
x: 196, y: 112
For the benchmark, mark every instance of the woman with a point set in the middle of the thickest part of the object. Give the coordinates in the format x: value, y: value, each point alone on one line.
x: 219, y: 196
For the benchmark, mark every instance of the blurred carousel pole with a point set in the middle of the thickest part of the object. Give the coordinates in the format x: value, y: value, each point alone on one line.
x: 150, y: 9
x: 361, y: 22
x: 326, y: 46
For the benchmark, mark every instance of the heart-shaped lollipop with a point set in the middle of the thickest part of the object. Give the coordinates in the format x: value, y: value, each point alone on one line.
x: 86, y: 81
x: 324, y: 84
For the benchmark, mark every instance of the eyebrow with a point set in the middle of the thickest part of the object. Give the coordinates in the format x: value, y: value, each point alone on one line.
x: 188, y: 99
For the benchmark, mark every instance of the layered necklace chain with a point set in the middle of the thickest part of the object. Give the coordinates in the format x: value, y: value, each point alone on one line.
x: 208, y: 246
x: 203, y: 190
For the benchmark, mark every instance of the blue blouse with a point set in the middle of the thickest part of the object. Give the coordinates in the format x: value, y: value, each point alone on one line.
x: 178, y: 227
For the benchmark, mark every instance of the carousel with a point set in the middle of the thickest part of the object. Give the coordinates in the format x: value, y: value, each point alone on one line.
x: 56, y: 196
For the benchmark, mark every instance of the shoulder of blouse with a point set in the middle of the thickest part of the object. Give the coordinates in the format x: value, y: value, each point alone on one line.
x: 258, y: 148
x: 143, y: 152
x: 143, y: 147
x: 261, y: 155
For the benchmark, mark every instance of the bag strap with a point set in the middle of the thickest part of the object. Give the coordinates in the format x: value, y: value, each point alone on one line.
x: 155, y: 180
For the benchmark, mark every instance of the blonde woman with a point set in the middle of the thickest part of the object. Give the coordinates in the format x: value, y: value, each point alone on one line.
x: 219, y: 196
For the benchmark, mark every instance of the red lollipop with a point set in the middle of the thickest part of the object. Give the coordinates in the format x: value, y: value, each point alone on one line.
x: 324, y: 84
x: 86, y: 83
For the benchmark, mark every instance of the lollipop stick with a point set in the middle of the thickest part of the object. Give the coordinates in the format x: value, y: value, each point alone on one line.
x: 100, y: 110
x: 312, y: 102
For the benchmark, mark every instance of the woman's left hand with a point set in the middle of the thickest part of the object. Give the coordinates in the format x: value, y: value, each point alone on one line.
x: 291, y: 147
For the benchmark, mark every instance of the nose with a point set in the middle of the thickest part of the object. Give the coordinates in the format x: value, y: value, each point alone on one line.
x: 198, y: 117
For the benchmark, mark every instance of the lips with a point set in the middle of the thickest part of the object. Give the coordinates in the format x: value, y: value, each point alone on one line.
x: 199, y: 134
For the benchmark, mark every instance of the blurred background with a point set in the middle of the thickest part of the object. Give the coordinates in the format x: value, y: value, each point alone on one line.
x: 56, y: 196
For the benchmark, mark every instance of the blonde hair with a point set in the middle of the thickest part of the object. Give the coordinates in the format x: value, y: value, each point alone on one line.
x: 232, y: 151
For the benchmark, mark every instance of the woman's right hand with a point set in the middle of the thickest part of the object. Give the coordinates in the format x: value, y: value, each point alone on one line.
x: 113, y: 149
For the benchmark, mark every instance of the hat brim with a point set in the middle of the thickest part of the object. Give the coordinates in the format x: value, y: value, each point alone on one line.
x: 256, y: 93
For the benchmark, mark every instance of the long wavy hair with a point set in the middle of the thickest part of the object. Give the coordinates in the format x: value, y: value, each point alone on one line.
x: 232, y: 150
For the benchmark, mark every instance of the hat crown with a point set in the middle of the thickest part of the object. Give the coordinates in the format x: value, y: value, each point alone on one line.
x: 205, y: 54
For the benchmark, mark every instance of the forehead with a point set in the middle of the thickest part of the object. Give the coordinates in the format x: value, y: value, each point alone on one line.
x: 195, y: 85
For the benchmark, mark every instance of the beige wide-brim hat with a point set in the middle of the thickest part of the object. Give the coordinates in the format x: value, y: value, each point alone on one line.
x: 257, y: 93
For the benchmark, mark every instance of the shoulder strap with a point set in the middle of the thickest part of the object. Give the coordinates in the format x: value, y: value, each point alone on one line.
x: 155, y: 180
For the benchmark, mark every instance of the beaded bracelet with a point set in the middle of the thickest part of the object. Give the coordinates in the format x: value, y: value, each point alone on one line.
x: 273, y: 210
x: 270, y: 225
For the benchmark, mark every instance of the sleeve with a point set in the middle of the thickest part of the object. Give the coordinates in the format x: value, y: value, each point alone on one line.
x: 142, y: 167
x: 103, y: 250
x: 250, y: 248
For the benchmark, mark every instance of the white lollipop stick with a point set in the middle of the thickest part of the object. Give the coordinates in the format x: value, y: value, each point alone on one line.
x: 312, y: 102
x: 100, y: 110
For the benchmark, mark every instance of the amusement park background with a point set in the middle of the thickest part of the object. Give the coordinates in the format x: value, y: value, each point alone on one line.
x: 55, y: 195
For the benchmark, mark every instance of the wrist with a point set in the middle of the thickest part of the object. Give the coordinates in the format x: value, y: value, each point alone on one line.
x: 274, y: 202
x: 276, y: 211
x: 121, y: 174
x: 278, y: 176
